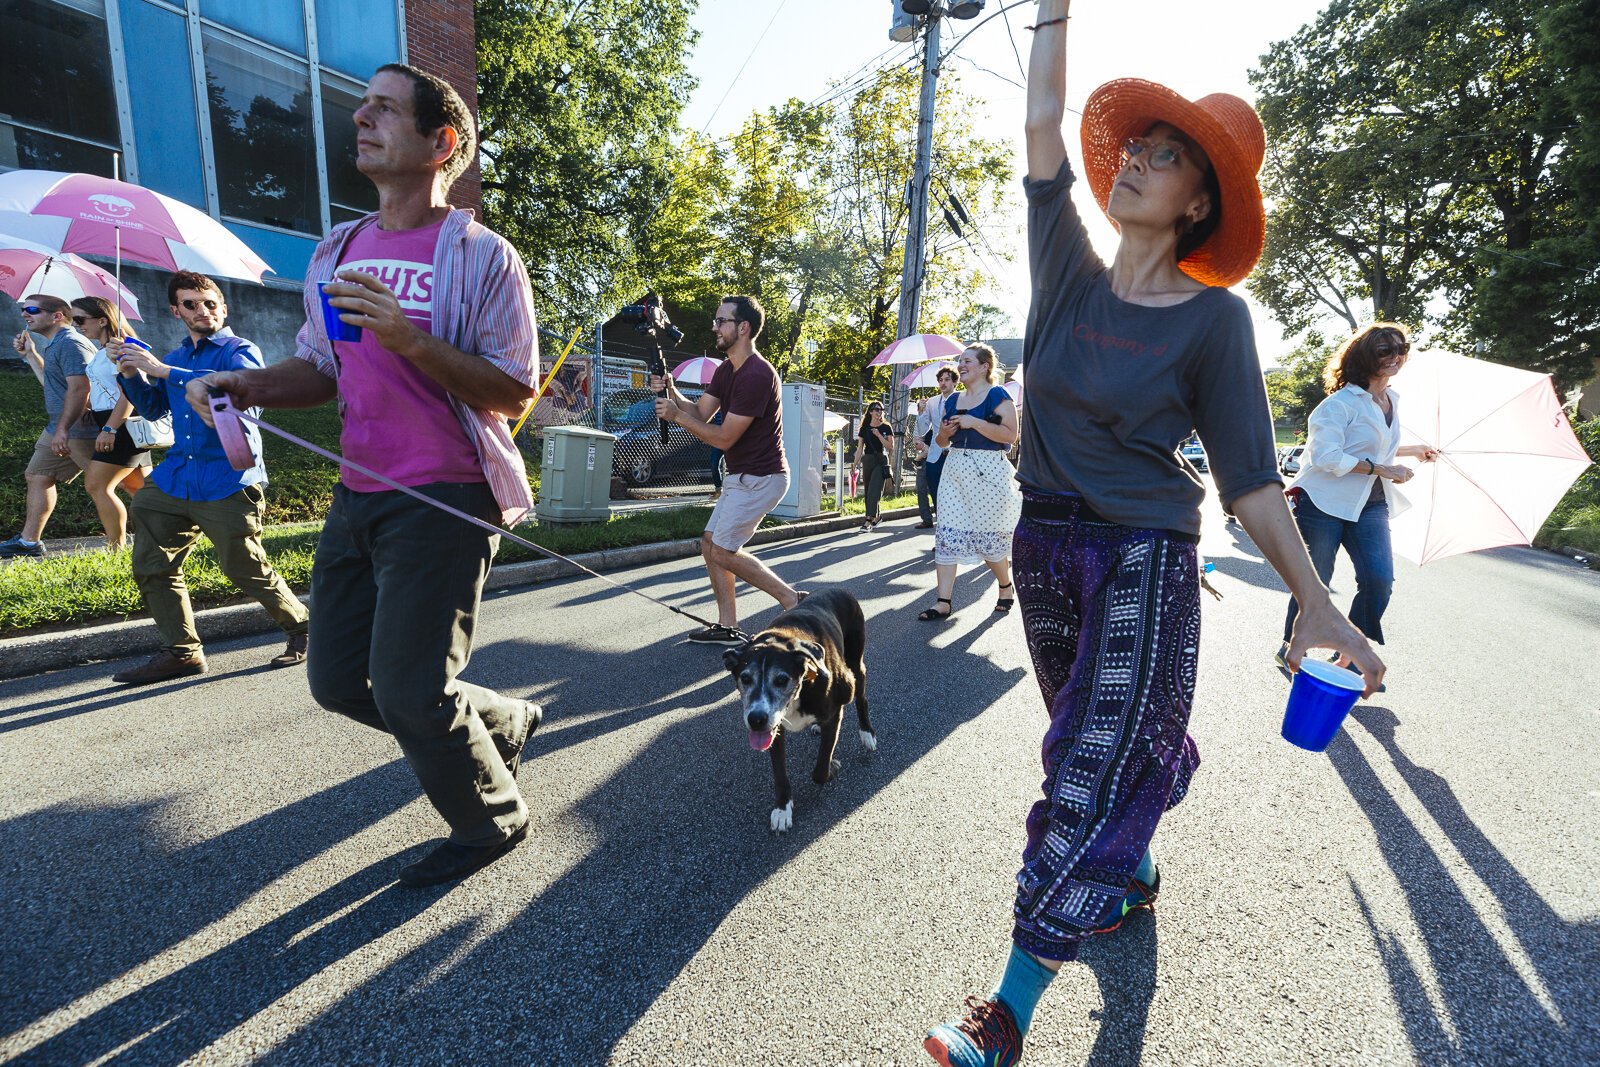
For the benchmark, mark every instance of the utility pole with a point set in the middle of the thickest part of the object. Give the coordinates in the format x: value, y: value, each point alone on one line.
x: 912, y: 272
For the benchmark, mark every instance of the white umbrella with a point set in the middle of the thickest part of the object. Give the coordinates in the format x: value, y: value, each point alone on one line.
x: 29, y: 268
x: 918, y: 348
x: 1507, y: 455
x: 696, y: 371
x: 925, y: 377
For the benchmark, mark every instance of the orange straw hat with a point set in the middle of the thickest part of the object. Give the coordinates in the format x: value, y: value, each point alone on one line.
x: 1231, y: 134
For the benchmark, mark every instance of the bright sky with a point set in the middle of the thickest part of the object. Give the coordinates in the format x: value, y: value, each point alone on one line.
x: 1193, y: 48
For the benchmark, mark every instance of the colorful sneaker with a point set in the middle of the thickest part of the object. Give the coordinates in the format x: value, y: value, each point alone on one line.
x: 987, y: 1037
x: 1140, y: 897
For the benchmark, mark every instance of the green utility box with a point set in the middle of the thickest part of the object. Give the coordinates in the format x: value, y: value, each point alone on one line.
x: 576, y: 483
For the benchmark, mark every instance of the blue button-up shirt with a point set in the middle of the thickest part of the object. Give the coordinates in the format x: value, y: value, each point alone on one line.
x: 196, y: 467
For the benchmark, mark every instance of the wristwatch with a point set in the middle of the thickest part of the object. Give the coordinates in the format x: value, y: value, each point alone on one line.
x: 108, y: 429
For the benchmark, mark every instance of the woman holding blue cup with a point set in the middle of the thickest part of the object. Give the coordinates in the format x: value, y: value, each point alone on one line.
x: 1348, y: 484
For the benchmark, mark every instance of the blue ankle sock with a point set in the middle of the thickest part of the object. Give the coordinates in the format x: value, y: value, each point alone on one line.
x: 1022, y: 985
x: 1147, y: 868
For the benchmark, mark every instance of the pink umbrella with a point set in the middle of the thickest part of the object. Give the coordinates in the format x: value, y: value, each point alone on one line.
x: 1508, y: 455
x: 98, y: 216
x: 26, y: 268
x: 1014, y: 391
x: 918, y: 348
x: 925, y: 377
x: 696, y: 371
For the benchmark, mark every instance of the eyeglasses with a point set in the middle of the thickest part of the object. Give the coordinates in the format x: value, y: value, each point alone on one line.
x: 32, y: 310
x: 719, y: 322
x: 194, y: 305
x: 79, y: 320
x: 1390, y: 349
x: 1162, y: 155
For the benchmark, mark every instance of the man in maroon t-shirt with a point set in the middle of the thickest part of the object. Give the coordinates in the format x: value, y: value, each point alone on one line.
x: 745, y: 389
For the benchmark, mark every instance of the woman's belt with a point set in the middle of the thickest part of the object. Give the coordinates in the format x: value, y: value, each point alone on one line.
x: 1077, y: 509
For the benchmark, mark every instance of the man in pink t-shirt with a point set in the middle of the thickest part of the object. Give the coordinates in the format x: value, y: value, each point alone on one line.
x: 745, y: 389
x: 447, y: 353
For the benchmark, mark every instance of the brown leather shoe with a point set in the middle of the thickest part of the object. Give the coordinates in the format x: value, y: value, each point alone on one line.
x: 294, y: 652
x: 160, y: 667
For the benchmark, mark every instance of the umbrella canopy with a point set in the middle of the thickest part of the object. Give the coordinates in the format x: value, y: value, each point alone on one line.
x: 27, y: 268
x: 926, y: 377
x: 696, y: 371
x: 1508, y: 455
x: 1014, y: 391
x: 97, y: 216
x: 918, y: 348
x: 832, y: 423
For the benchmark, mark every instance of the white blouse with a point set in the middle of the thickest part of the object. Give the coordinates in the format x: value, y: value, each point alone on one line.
x: 1346, y: 430
x: 104, y: 393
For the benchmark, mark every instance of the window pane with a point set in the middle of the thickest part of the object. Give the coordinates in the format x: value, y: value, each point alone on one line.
x: 55, y: 70
x: 279, y: 22
x: 357, y: 37
x: 39, y: 151
x: 166, y: 126
x: 261, y: 135
x: 350, y: 193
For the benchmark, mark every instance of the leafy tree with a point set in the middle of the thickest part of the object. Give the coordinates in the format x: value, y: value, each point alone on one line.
x: 578, y: 107
x: 1414, y: 156
x: 1297, y: 388
x: 980, y: 321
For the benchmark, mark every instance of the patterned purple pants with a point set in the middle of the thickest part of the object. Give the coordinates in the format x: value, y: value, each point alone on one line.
x: 1112, y: 616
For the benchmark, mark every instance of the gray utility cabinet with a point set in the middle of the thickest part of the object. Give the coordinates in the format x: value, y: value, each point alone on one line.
x: 576, y: 483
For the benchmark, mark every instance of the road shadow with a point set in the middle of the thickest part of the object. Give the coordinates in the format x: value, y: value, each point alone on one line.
x: 1124, y: 965
x: 90, y: 893
x: 677, y: 838
x: 112, y: 695
x: 1490, y: 1010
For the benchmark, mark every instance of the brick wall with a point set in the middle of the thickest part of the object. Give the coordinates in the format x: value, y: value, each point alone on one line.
x: 440, y: 39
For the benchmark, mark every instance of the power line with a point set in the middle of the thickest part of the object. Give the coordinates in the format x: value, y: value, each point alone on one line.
x: 781, y: 5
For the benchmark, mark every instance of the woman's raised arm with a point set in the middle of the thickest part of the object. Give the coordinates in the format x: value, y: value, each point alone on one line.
x: 1047, y: 90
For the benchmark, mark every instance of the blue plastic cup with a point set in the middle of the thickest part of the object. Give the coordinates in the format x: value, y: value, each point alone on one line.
x: 1322, y: 695
x: 338, y: 329
x: 133, y: 342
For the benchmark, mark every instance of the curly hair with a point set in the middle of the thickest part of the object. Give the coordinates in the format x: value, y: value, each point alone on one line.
x: 1356, y: 361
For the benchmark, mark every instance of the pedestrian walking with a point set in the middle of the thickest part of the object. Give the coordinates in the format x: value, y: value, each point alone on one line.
x: 874, y: 440
x: 118, y: 461
x: 448, y: 351
x: 1123, y: 362
x: 929, y: 414
x: 745, y: 390
x: 66, y: 444
x: 195, y: 490
x: 1348, y: 484
x: 978, y: 491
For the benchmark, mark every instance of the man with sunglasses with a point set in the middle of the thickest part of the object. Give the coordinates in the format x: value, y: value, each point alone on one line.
x: 195, y: 489
x: 66, y: 446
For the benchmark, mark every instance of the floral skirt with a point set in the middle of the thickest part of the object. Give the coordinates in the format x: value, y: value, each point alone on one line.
x: 979, y: 505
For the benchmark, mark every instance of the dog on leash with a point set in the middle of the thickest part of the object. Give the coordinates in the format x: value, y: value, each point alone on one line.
x: 801, y: 671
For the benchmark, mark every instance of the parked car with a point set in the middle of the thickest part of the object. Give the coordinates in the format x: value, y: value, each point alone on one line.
x: 1193, y: 451
x: 640, y: 457
x: 1289, y: 459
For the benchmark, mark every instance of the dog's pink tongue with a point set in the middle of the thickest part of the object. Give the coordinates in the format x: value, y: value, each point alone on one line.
x: 760, y: 740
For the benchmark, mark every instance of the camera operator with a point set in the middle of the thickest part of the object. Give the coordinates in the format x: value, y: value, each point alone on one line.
x: 745, y: 390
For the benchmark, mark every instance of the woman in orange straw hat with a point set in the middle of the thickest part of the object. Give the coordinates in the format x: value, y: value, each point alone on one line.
x: 1124, y: 361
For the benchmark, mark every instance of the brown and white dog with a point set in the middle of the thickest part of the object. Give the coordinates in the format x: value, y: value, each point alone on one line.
x: 801, y: 671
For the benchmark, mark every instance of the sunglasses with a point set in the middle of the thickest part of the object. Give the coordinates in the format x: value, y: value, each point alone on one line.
x: 194, y: 305
x: 79, y: 320
x: 30, y: 309
x: 1390, y: 349
x: 1158, y: 155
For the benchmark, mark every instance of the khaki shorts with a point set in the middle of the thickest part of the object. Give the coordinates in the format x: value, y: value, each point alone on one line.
x: 62, y: 468
x: 745, y: 501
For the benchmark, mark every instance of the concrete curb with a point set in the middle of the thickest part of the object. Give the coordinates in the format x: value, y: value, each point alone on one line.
x: 36, y: 653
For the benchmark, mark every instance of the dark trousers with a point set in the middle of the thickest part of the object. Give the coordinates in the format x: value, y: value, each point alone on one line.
x: 396, y: 587
x: 928, y: 487
x: 874, y: 471
x: 1367, y: 542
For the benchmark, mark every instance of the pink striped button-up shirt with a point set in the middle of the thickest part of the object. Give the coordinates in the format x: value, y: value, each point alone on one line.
x: 482, y: 305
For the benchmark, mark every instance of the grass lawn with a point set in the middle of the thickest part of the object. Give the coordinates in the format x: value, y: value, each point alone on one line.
x: 98, y: 586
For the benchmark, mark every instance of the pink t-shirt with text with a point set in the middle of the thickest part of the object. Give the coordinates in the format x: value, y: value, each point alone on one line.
x: 397, y: 420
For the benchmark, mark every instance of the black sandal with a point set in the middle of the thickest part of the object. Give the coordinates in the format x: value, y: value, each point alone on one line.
x: 1003, y: 605
x: 932, y: 614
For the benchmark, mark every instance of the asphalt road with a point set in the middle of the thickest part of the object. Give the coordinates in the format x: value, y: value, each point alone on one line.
x: 205, y: 871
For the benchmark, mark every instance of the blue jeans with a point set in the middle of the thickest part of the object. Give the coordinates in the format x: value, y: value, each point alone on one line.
x: 1367, y: 542
x: 928, y: 488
